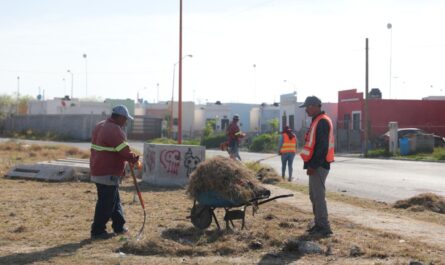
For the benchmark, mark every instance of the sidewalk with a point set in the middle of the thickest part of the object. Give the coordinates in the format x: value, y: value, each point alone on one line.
x: 425, y: 232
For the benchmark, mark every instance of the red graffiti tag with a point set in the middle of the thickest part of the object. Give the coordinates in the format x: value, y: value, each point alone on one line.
x: 170, y: 160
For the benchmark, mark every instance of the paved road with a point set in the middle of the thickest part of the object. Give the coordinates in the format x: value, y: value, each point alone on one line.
x: 378, y: 179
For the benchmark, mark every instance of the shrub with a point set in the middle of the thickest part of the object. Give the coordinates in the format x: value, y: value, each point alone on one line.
x: 213, y: 141
x: 267, y: 142
x: 439, y: 153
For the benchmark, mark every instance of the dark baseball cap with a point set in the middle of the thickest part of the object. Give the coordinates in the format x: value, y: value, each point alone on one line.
x: 122, y: 111
x: 311, y: 100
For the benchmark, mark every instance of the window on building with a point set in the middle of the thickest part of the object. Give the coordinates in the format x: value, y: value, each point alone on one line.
x: 284, y: 120
x: 175, y: 121
x: 346, y: 121
x: 356, y: 120
x: 224, y: 124
x: 291, y: 122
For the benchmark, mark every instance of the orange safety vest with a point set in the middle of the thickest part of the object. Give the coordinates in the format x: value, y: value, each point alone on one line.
x: 289, y: 145
x: 308, y: 149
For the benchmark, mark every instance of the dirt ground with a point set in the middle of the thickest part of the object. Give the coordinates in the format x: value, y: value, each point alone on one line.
x: 48, y: 223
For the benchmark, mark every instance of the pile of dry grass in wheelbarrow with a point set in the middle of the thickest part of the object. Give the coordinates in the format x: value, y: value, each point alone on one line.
x: 231, y: 179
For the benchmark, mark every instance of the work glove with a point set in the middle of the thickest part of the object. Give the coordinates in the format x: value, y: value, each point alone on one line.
x: 279, y: 153
x: 310, y: 171
x: 134, y: 159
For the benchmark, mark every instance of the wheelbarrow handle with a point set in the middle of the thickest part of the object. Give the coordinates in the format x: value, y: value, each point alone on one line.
x: 274, y: 198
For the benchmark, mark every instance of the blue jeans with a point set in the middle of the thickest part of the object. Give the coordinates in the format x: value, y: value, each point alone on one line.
x: 234, y: 149
x: 287, y: 158
x: 108, y: 207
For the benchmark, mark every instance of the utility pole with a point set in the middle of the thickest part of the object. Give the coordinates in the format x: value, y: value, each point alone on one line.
x: 180, y: 76
x: 389, y: 26
x: 366, y: 98
x: 86, y: 75
x: 18, y: 95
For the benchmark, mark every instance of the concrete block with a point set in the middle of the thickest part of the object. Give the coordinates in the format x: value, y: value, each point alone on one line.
x: 81, y: 167
x: 66, y: 169
x: 42, y: 172
x: 170, y: 165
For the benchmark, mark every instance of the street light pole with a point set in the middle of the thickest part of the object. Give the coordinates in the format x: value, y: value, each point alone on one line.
x: 72, y: 82
x: 18, y: 93
x: 254, y: 80
x: 180, y: 76
x: 389, y: 26
x: 366, y: 136
x: 86, y: 75
x: 157, y: 92
x: 292, y: 84
x: 64, y: 87
x: 173, y: 91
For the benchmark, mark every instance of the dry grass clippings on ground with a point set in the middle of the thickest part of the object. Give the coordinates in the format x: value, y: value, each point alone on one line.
x: 49, y: 223
x: 264, y: 173
x: 421, y: 214
x: 423, y: 202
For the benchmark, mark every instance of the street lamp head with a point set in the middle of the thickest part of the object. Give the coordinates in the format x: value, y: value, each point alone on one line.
x: 68, y: 71
x: 189, y: 55
x: 84, y: 55
x: 389, y: 25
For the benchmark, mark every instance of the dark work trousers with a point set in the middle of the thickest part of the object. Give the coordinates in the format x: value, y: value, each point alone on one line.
x: 108, y: 206
x: 287, y: 158
x: 317, y: 192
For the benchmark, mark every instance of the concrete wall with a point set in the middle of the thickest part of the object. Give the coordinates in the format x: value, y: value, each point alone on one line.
x: 76, y: 127
x: 170, y: 165
x: 69, y: 107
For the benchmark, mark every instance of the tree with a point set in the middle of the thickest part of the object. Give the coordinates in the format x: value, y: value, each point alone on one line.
x: 274, y: 124
x: 6, y: 105
x: 209, y: 128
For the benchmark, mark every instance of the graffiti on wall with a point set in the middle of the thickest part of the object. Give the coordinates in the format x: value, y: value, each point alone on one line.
x: 190, y: 161
x: 150, y: 160
x: 171, y: 160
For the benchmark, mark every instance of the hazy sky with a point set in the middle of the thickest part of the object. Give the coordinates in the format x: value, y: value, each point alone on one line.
x: 318, y: 46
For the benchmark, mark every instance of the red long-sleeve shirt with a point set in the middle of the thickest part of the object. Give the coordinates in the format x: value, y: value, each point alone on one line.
x: 109, y: 135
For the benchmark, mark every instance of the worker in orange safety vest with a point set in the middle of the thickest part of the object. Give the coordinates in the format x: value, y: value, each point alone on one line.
x: 287, y: 147
x: 318, y: 154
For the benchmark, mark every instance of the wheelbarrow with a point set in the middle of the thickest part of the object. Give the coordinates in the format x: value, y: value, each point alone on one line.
x: 203, y: 210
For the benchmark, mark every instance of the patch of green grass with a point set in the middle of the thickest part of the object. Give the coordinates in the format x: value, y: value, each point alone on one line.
x: 379, y: 153
x: 437, y: 155
x: 164, y: 140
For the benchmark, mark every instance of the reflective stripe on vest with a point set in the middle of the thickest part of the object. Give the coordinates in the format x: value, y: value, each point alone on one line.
x: 308, y: 149
x: 109, y: 149
x: 289, y: 145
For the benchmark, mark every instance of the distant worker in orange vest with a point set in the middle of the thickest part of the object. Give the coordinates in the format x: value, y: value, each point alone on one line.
x: 287, y: 147
x: 318, y: 154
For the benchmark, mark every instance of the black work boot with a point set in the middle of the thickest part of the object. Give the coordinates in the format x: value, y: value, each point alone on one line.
x: 102, y: 236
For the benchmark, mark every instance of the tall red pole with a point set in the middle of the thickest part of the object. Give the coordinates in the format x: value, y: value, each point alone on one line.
x: 180, y: 76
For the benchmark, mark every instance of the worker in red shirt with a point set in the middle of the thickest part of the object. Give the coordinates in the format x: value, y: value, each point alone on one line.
x: 109, y: 151
x: 234, y: 135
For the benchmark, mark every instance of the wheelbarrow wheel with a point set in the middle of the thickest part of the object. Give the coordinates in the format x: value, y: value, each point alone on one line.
x: 201, y: 216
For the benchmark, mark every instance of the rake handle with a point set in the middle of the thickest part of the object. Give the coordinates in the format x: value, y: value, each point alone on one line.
x: 137, y: 186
